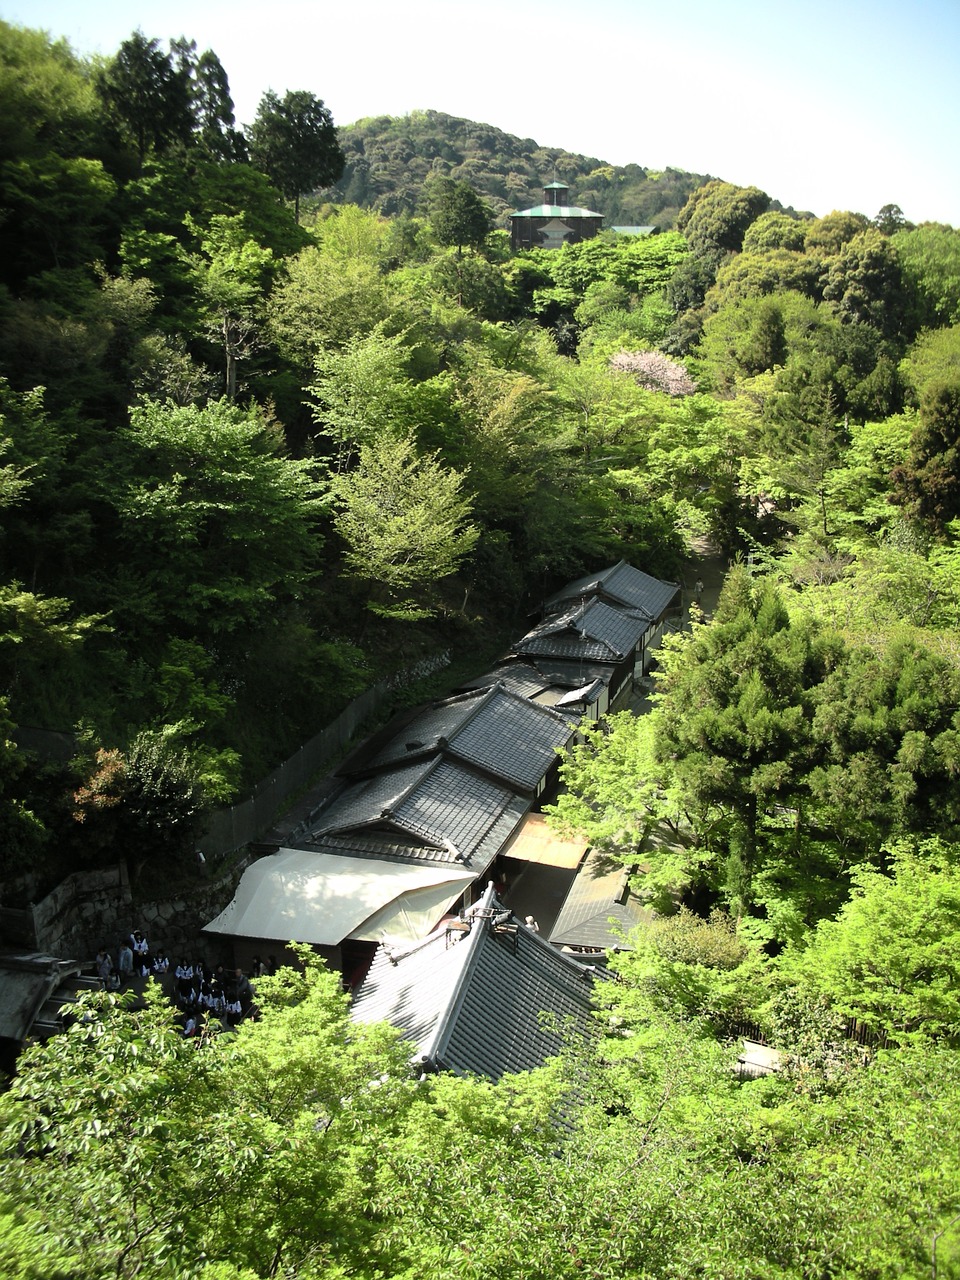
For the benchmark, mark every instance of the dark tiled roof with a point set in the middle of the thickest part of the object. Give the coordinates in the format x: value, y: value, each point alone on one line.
x: 450, y: 808
x: 493, y: 1000
x: 521, y: 678
x: 365, y: 802
x: 599, y: 893
x: 380, y: 846
x: 494, y: 729
x: 513, y: 738
x: 621, y: 584
x: 592, y: 630
x: 570, y: 673
x: 425, y: 732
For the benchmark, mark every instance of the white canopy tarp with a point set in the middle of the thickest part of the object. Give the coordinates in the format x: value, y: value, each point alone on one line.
x: 322, y: 898
x: 411, y: 916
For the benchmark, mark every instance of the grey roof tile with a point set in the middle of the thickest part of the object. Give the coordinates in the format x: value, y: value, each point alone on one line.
x: 572, y: 673
x: 495, y: 729
x: 521, y: 678
x: 366, y: 802
x: 598, y: 894
x: 594, y: 630
x: 487, y: 1002
x: 622, y: 584
x: 513, y: 737
x: 437, y: 802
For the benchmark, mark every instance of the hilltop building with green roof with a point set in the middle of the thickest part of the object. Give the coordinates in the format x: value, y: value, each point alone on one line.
x: 553, y: 223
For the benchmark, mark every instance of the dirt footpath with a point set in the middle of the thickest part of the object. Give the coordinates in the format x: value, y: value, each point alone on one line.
x: 710, y: 569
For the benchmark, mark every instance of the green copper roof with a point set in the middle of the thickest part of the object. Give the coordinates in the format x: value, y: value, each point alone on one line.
x: 555, y: 211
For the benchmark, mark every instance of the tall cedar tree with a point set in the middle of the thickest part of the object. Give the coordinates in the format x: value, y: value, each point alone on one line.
x: 294, y: 141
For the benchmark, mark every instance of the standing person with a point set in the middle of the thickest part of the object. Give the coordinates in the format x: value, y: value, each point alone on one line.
x: 532, y: 924
x: 140, y: 948
x: 698, y: 590
x: 242, y: 989
x: 125, y: 962
x: 104, y: 968
x: 184, y: 976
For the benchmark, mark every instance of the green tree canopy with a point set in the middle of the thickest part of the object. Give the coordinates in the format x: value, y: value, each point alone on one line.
x: 927, y: 484
x: 147, y: 95
x: 458, y: 216
x: 294, y: 141
x: 217, y: 525
x: 892, y: 957
x: 404, y: 521
x: 716, y: 217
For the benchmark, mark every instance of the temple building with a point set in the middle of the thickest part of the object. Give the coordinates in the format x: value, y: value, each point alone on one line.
x: 553, y: 223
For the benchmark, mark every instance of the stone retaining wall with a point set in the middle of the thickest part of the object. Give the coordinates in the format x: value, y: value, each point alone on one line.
x: 93, y: 909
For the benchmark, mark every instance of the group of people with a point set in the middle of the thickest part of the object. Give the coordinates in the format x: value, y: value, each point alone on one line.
x: 199, y: 992
x: 131, y: 960
x: 203, y: 993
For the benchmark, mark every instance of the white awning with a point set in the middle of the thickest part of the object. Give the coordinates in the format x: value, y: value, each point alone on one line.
x: 322, y: 898
x: 536, y: 842
x: 412, y: 915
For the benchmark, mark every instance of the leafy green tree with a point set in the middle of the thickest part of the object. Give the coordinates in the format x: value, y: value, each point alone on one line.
x: 37, y: 635
x: 145, y: 803
x: 774, y: 230
x: 232, y: 273
x: 734, y: 726
x: 458, y: 216
x: 888, y: 732
x: 890, y: 959
x: 691, y: 968
x: 929, y: 257
x: 863, y: 284
x: 62, y: 203
x: 826, y: 236
x: 147, y: 96
x: 472, y: 283
x: 934, y: 357
x: 716, y: 217
x: 927, y: 484
x: 334, y: 290
x: 211, y: 106
x: 404, y: 521
x: 23, y: 833
x: 216, y: 525
x: 294, y: 141
x: 289, y: 1114
x: 46, y: 92
x: 612, y: 785
x: 890, y: 219
x: 749, y: 336
x: 54, y: 186
x: 770, y: 273
x: 364, y: 389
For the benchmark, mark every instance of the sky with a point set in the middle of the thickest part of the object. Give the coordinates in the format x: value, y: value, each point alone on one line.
x: 828, y: 104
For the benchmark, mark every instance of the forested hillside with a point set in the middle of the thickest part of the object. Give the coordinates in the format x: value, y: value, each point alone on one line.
x: 389, y: 161
x: 262, y: 443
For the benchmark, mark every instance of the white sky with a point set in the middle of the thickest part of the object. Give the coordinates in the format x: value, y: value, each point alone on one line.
x: 825, y: 104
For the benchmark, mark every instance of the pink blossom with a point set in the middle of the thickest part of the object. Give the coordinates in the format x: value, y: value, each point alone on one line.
x: 654, y: 372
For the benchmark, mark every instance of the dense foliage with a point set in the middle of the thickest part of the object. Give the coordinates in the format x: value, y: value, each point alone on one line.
x: 303, y: 1145
x: 249, y: 461
x: 390, y: 160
